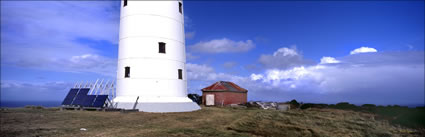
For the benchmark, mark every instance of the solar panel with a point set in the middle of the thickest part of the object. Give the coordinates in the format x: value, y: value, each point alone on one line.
x: 70, y: 97
x: 100, y: 101
x: 80, y: 96
x: 88, y: 100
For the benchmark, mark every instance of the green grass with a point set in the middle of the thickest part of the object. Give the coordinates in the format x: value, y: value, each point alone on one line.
x: 209, y: 121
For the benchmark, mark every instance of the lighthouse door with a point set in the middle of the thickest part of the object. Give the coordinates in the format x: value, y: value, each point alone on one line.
x: 210, y: 100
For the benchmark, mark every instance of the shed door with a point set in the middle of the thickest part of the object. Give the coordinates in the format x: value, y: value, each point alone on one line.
x: 210, y: 100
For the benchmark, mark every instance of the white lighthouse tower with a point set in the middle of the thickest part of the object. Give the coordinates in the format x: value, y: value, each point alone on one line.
x: 151, y: 73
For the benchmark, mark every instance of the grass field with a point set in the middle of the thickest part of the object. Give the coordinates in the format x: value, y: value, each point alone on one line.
x: 209, y: 121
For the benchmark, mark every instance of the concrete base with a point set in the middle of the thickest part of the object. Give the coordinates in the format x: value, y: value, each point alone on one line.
x: 160, y: 107
x: 155, y: 104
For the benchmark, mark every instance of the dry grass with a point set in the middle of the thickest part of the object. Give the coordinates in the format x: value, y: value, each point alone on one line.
x: 207, y: 122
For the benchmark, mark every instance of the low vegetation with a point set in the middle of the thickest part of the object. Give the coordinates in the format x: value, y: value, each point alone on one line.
x: 409, y: 117
x: 210, y: 121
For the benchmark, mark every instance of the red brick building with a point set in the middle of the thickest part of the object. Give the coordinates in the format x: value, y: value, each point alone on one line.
x: 223, y: 93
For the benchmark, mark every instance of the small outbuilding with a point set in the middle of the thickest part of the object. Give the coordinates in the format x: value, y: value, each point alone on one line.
x: 223, y: 93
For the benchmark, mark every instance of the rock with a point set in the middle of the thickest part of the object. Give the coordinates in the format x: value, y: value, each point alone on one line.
x: 283, y: 107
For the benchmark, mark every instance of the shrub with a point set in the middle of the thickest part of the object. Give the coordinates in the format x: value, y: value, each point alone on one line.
x: 312, y: 105
x: 34, y: 107
x: 345, y: 105
x: 195, y: 98
x: 369, y: 105
x: 294, y: 103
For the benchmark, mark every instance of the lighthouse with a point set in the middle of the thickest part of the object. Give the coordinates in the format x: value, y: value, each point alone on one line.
x: 151, y: 73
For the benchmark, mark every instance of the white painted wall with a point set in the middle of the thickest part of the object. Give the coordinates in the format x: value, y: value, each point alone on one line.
x: 153, y: 75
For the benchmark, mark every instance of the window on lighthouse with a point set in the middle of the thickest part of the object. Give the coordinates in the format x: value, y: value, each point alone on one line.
x: 127, y: 72
x: 180, y: 7
x: 180, y: 73
x: 125, y: 3
x: 161, y: 47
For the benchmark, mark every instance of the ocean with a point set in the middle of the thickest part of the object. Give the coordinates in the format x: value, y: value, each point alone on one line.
x: 14, y: 104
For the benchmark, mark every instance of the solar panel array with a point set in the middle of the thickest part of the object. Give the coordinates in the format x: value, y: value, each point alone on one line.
x: 79, y: 97
x: 100, y: 101
x: 88, y: 101
x: 70, y: 97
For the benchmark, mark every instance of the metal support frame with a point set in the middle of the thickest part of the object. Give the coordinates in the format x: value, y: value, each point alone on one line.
x: 99, y: 87
x: 93, y: 87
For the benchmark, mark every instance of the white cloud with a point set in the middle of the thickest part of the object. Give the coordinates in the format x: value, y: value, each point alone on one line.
x: 187, y: 22
x: 89, y: 63
x: 201, y: 76
x: 283, y: 58
x: 398, y: 77
x: 83, y: 63
x: 229, y: 64
x: 256, y: 76
x: 222, y: 46
x: 328, y: 60
x: 199, y: 68
x: 34, y: 91
x: 289, y: 77
x: 207, y: 73
x: 198, y: 72
x: 190, y: 56
x: 286, y: 52
x: 77, y: 59
x: 47, y: 34
x: 190, y: 35
x: 363, y: 50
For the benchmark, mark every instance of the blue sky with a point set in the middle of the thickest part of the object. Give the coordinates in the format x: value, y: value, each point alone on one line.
x: 328, y: 52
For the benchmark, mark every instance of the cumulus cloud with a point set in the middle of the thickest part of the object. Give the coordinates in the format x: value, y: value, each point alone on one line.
x: 256, y: 76
x: 283, y: 58
x: 45, y: 35
x: 201, y: 75
x: 286, y: 52
x: 204, y: 72
x: 328, y: 60
x: 395, y: 76
x: 90, y: 63
x: 223, y: 45
x: 198, y: 72
x: 289, y: 78
x: 363, y: 50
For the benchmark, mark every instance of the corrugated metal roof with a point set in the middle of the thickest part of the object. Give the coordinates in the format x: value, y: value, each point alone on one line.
x: 224, y: 86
